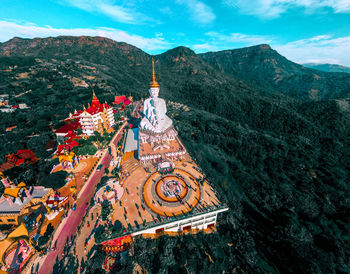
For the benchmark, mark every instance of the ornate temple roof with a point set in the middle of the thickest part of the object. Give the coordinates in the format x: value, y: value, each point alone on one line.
x: 96, y: 106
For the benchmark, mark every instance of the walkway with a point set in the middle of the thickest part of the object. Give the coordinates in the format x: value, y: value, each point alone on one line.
x: 75, y: 217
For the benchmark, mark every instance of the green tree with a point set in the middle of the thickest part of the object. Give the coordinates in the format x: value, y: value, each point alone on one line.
x: 106, y: 209
x: 55, y: 180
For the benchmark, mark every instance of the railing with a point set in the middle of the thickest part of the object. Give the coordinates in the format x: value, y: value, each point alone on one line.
x: 161, y: 221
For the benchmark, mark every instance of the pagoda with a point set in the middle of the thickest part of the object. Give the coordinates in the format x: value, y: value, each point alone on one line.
x: 158, y: 141
x: 97, y: 117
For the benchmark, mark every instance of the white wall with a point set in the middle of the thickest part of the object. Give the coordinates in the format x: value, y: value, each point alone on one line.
x: 201, y: 221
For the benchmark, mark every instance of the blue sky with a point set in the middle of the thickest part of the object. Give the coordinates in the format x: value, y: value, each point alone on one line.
x: 302, y: 30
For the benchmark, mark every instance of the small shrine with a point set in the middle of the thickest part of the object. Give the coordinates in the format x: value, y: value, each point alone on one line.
x: 68, y: 160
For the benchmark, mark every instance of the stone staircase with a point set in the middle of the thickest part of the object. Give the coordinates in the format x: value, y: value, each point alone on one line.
x: 130, y: 165
x: 188, y: 158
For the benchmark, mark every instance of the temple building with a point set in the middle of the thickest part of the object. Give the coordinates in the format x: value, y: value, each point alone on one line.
x: 15, y: 250
x: 19, y: 201
x: 158, y: 141
x: 97, y: 117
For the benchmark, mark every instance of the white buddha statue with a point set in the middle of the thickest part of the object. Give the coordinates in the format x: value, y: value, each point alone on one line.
x: 154, y: 109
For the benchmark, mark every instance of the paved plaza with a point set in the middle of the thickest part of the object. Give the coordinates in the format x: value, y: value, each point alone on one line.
x: 148, y: 196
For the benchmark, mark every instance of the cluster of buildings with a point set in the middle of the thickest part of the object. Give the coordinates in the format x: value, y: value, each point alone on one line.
x: 21, y: 207
x: 6, y: 107
x: 20, y: 200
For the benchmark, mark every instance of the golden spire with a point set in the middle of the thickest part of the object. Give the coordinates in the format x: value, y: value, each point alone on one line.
x: 154, y: 83
x: 94, y: 97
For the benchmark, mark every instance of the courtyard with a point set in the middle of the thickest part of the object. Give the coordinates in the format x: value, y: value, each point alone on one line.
x: 149, y: 197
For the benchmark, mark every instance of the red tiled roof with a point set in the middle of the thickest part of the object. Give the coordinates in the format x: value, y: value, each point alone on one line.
x: 68, y: 146
x: 69, y: 127
x: 119, y: 99
x: 127, y: 102
x: 60, y: 148
x: 22, y: 156
x: 72, y: 143
x: 6, y: 166
x: 77, y: 113
x: 71, y: 134
x: 96, y: 107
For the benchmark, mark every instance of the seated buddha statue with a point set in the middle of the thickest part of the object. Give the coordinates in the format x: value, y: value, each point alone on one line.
x: 154, y: 110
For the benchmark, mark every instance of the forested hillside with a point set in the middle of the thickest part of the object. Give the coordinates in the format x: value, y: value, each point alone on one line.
x: 328, y: 67
x: 266, y: 68
x: 280, y: 160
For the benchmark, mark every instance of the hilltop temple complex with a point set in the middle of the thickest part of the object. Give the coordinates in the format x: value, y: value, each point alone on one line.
x: 160, y: 187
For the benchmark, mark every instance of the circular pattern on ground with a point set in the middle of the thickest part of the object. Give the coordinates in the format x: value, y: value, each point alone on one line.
x: 171, y: 189
x: 171, y: 195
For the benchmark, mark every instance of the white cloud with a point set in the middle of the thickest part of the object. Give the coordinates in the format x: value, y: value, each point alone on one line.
x: 205, y: 47
x: 234, y: 38
x: 274, y: 8
x: 108, y: 8
x: 166, y: 10
x: 10, y: 29
x: 318, y: 49
x: 200, y: 12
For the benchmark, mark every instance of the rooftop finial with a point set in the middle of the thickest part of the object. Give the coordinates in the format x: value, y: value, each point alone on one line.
x: 154, y: 83
x: 94, y: 97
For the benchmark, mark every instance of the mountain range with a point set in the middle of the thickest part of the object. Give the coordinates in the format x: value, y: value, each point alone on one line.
x: 272, y: 135
x: 258, y: 68
x: 266, y: 68
x: 327, y: 67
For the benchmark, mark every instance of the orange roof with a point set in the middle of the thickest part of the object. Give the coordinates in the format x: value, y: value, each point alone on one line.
x: 18, y: 232
x: 11, y: 128
x: 13, y: 192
